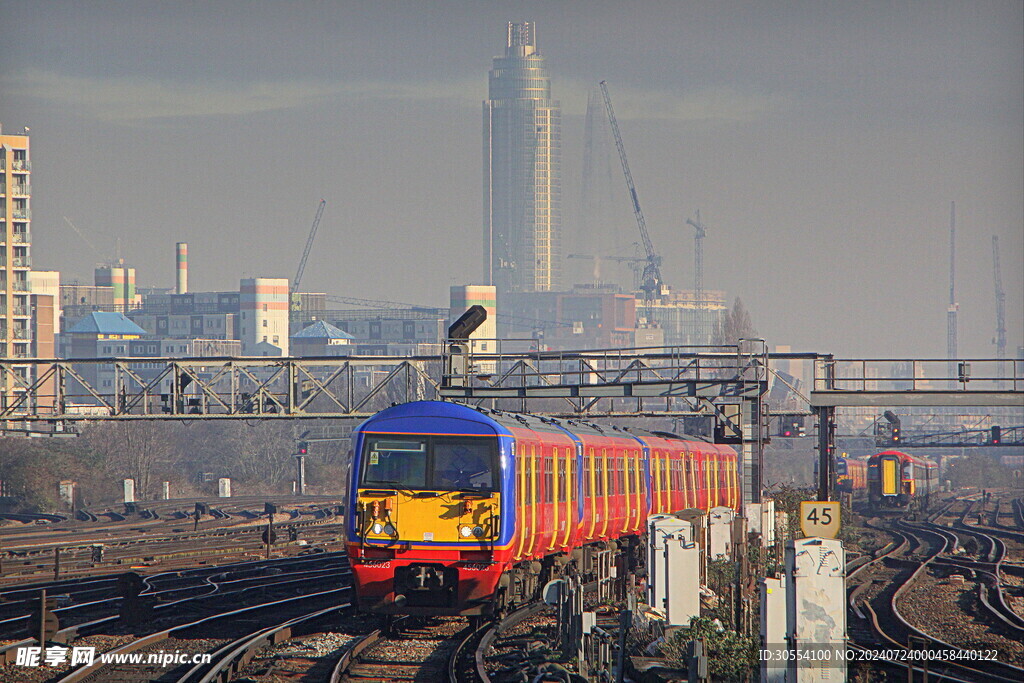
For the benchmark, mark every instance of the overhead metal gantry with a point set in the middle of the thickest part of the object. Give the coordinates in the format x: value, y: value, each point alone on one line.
x: 905, y: 383
x: 212, y: 388
x: 728, y: 384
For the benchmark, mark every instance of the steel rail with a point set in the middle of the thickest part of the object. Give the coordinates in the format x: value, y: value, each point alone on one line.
x: 71, y: 633
x: 181, y: 630
x: 496, y: 629
x: 1012, y: 673
x: 352, y: 654
x: 229, y: 659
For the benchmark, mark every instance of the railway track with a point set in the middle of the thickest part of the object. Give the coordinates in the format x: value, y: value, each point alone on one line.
x: 225, y: 637
x: 412, y: 650
x: 231, y: 602
x: 446, y: 649
x: 877, y: 623
x: 104, y: 598
x: 167, y: 542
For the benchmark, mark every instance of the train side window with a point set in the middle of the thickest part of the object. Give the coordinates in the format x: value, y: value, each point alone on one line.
x: 531, y: 478
x: 549, y: 485
x: 619, y: 478
x: 610, y: 475
x: 588, y: 472
x: 634, y: 469
x: 599, y: 473
x: 630, y: 486
x: 559, y: 477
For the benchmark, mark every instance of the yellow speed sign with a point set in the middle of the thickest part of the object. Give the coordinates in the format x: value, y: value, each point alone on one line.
x: 819, y: 518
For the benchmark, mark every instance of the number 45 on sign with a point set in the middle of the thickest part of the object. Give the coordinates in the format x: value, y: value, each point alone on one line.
x: 818, y: 518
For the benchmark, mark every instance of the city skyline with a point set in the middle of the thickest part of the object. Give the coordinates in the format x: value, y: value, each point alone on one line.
x: 822, y: 144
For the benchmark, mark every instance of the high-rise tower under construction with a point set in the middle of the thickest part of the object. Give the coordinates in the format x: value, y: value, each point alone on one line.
x: 522, y: 175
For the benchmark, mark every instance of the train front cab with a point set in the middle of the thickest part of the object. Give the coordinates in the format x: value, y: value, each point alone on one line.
x: 427, y: 518
x: 886, y: 487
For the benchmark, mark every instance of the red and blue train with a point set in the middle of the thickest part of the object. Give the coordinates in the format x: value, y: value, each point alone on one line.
x: 897, y: 480
x: 456, y: 510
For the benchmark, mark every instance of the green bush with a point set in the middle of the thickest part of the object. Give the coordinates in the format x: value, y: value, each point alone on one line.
x: 731, y: 657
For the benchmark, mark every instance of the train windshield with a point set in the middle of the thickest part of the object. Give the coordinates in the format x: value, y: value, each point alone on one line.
x: 435, y: 463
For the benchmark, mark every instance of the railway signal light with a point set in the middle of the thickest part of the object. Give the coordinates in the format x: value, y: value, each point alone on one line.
x: 996, y: 435
x: 792, y: 427
x: 894, y: 426
x: 303, y: 448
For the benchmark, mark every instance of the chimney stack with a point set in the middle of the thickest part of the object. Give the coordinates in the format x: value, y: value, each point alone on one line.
x: 182, y: 283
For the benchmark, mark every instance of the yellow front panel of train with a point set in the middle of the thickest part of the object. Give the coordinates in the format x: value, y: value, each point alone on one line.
x: 442, y: 518
x: 889, y: 470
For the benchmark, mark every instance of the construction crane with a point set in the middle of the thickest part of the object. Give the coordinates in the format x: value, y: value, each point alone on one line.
x: 951, y: 350
x: 84, y: 238
x: 1000, y: 308
x: 698, y: 257
x: 417, y: 308
x: 651, y: 278
x: 698, y: 268
x: 377, y: 303
x: 632, y: 261
x: 305, y: 255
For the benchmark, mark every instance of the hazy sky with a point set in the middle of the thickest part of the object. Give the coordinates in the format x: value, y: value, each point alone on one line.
x: 822, y: 142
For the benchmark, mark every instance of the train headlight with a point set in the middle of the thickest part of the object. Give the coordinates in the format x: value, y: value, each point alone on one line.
x: 466, y: 532
x: 390, y: 529
x: 478, y: 531
x: 378, y: 528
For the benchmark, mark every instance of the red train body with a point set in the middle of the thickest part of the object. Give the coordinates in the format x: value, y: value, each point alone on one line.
x: 498, y: 503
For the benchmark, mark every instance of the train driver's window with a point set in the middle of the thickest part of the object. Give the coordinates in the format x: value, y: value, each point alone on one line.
x: 461, y: 464
x: 395, y: 462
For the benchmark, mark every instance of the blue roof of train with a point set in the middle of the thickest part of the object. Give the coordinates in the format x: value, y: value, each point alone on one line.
x: 424, y: 417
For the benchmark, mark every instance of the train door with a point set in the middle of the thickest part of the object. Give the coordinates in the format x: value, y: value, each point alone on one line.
x: 890, y: 487
x: 700, y: 477
x: 636, y: 470
x: 558, y: 481
x: 568, y: 498
x: 656, y: 482
x: 592, y: 510
x: 685, y: 479
x: 666, y: 476
x: 625, y: 506
x: 531, y: 496
x: 522, y: 517
x: 604, y: 485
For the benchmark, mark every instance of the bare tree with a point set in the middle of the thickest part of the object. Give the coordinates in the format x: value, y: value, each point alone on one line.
x: 135, y: 451
x: 735, y: 325
x: 261, y: 452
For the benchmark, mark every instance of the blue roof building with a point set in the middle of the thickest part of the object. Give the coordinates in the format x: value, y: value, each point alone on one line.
x: 321, y: 339
x: 102, y: 325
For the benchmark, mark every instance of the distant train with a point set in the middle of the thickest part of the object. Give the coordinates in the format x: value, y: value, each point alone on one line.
x: 852, y: 476
x: 897, y: 480
x: 456, y: 510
